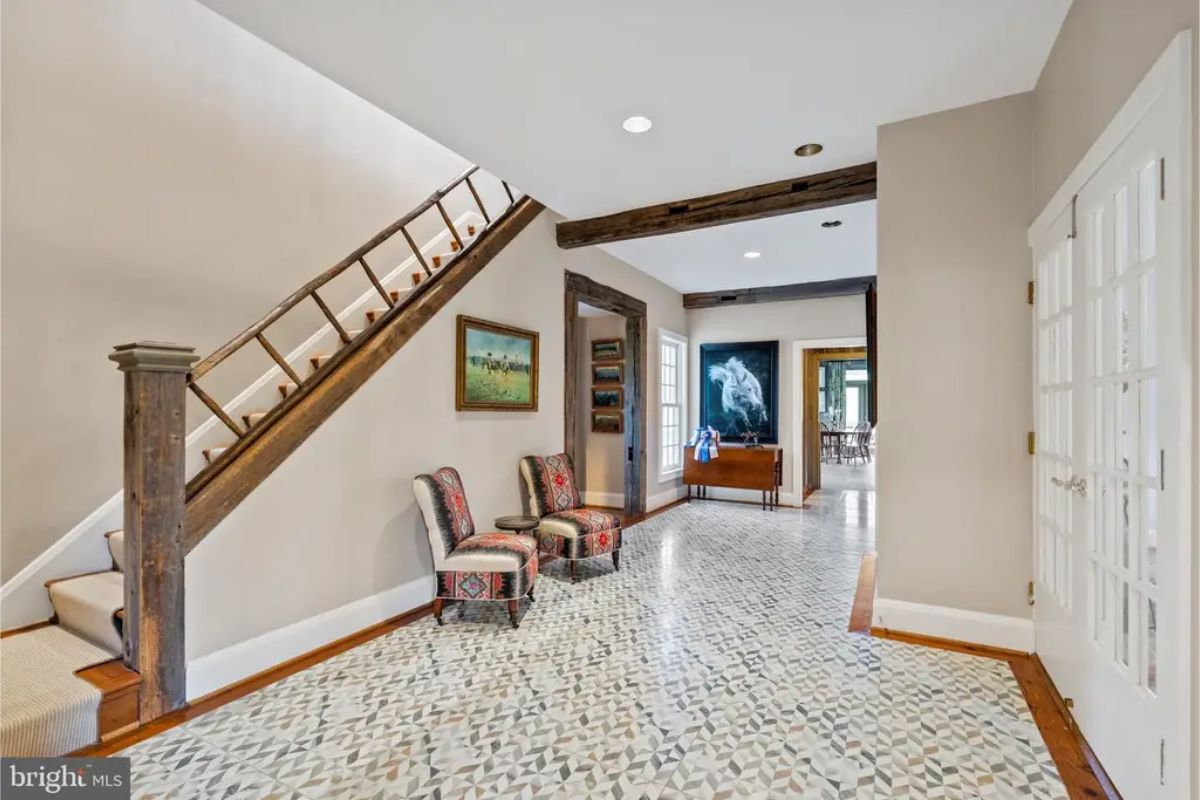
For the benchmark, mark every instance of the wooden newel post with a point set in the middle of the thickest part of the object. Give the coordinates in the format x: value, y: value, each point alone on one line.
x: 155, y: 394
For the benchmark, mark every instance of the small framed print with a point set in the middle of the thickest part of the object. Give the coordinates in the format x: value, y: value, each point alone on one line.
x: 608, y: 374
x: 607, y: 423
x: 611, y: 399
x: 608, y: 349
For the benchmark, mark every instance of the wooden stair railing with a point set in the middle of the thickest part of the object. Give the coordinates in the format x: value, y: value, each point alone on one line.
x: 166, y: 517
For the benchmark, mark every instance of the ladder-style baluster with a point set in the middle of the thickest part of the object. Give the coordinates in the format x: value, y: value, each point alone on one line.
x: 333, y: 320
x: 508, y: 191
x: 478, y: 201
x: 387, y: 298
x: 449, y: 224
x: 215, y: 407
x: 280, y: 360
x: 416, y: 251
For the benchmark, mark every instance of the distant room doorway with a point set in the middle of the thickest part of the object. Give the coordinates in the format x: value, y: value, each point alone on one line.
x: 838, y: 415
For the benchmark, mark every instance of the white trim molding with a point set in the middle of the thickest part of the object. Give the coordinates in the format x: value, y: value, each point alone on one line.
x: 943, y: 622
x: 665, y: 498
x: 604, y: 499
x: 215, y: 671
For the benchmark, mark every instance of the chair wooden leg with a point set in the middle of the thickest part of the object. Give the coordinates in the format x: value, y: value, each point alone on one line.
x: 513, y: 607
x: 617, y: 560
x: 531, y: 594
x: 574, y: 575
x: 438, y: 605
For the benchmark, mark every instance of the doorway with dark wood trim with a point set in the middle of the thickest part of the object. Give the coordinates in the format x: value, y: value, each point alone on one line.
x: 812, y: 360
x: 581, y: 289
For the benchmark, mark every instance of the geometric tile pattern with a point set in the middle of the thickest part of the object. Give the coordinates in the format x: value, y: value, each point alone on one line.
x: 715, y: 664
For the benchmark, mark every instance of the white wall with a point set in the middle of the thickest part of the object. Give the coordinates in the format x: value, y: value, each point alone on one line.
x: 826, y: 318
x: 955, y: 369
x: 601, y: 459
x: 167, y: 176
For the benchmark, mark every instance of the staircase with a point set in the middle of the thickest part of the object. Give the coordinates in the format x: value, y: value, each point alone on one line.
x: 89, y: 615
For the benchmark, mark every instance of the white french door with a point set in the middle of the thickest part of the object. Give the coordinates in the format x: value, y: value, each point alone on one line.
x: 1112, y: 468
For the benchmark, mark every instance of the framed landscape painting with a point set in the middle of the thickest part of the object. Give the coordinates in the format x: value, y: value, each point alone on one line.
x: 739, y: 389
x: 608, y: 349
x: 608, y: 374
x: 612, y: 399
x: 496, y: 367
x: 608, y: 423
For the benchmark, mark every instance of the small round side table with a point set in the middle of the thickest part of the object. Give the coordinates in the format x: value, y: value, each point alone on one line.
x: 516, y: 524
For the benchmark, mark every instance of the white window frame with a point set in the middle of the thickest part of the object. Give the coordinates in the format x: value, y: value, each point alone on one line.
x: 678, y: 371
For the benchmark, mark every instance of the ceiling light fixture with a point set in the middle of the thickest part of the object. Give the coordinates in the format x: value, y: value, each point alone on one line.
x: 751, y: 254
x: 810, y: 149
x: 637, y: 124
x: 833, y: 223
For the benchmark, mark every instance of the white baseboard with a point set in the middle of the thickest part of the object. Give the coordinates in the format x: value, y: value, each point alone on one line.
x: 217, y: 670
x: 975, y: 627
x: 665, y: 498
x: 605, y: 499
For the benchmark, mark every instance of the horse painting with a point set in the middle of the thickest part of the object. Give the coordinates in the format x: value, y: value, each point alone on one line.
x: 739, y: 389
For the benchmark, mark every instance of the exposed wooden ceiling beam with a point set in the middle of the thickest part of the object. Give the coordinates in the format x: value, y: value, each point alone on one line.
x: 778, y: 294
x: 828, y: 189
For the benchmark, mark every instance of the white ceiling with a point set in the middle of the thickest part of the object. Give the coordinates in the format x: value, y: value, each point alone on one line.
x: 591, y: 311
x: 535, y: 91
x: 794, y: 249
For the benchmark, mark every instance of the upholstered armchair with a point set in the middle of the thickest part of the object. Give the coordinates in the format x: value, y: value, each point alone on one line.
x: 470, y: 565
x: 567, y: 530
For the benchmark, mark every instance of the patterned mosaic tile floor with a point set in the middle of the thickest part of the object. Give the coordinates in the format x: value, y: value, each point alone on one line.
x: 716, y: 663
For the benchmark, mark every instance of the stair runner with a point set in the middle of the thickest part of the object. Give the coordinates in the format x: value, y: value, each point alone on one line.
x: 45, y: 709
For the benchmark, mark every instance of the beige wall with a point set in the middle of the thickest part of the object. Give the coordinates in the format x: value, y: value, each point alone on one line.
x: 167, y: 176
x: 826, y: 318
x: 337, y: 522
x: 602, y: 463
x: 953, y: 498
x: 1104, y: 49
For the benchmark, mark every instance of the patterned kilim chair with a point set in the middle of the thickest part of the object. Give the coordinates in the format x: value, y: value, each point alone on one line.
x: 470, y: 565
x: 567, y: 530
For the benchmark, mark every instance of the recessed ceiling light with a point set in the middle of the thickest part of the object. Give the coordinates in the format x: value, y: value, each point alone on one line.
x: 751, y: 254
x: 833, y: 223
x: 810, y: 149
x: 637, y: 124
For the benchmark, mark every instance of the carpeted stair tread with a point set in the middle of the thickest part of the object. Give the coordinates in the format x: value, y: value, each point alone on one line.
x: 85, y: 606
x: 45, y: 710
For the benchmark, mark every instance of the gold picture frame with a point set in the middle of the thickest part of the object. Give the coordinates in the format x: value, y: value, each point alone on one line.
x: 496, y: 367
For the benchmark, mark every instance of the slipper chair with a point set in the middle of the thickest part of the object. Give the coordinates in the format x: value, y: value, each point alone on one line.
x: 470, y: 565
x: 567, y: 529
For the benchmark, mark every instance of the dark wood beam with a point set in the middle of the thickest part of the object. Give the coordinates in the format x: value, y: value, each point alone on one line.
x: 806, y: 193
x: 840, y: 287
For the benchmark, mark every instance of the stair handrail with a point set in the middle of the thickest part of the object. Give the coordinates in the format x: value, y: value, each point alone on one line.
x: 256, y: 331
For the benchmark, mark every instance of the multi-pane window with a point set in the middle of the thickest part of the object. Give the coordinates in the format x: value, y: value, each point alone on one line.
x: 672, y: 397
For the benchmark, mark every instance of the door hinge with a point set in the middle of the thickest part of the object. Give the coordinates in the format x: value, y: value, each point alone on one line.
x: 1031, y: 443
x: 1030, y: 593
x: 1029, y: 293
x: 1162, y: 470
x: 1162, y: 762
x: 1074, y: 230
x: 1162, y: 178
